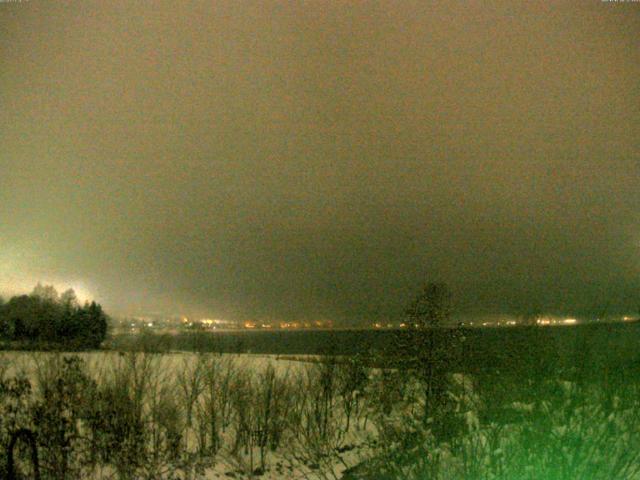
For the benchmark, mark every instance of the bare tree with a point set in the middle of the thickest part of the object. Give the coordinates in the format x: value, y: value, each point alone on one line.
x: 208, y: 412
x: 433, y: 344
x: 191, y: 382
x: 352, y: 379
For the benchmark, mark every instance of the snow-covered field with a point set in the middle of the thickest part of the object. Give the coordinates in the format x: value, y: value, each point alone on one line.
x: 101, y: 362
x: 231, y: 416
x: 186, y: 416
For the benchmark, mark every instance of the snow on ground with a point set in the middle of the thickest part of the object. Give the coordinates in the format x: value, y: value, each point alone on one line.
x: 300, y: 453
x: 26, y: 362
x: 293, y: 460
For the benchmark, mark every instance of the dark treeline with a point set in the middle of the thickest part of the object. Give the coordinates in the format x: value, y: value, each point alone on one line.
x: 46, y: 318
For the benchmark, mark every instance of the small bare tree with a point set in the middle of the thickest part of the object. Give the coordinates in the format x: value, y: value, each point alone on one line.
x: 191, y: 382
x: 352, y: 380
x: 207, y: 409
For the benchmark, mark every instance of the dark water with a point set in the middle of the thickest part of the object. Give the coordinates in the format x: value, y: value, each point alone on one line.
x: 535, y: 348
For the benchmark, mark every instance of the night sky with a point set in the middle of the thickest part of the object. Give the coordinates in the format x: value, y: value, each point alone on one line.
x: 307, y: 160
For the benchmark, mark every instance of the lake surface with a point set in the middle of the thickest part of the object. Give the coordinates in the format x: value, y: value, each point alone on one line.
x: 612, y: 345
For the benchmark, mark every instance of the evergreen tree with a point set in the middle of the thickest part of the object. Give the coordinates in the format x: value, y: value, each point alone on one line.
x: 46, y: 317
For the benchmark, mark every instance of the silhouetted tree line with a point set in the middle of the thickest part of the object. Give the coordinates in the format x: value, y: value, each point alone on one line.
x: 46, y: 317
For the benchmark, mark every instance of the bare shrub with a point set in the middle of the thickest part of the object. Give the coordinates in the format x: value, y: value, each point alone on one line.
x: 315, y: 446
x: 191, y: 382
x: 165, y: 425
x: 261, y: 405
x: 228, y: 371
x: 213, y: 407
x: 352, y: 378
x: 15, y: 415
x: 270, y: 408
x: 64, y: 388
x: 117, y: 419
x: 321, y: 386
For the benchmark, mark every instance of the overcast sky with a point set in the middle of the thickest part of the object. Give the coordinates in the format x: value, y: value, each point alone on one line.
x: 321, y: 159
